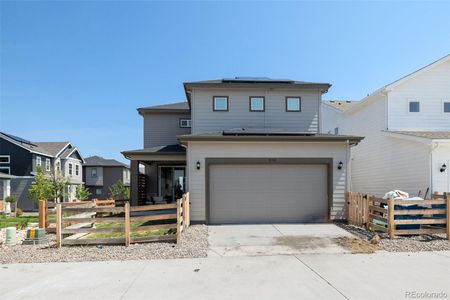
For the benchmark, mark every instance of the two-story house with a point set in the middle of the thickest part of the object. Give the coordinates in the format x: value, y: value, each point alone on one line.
x: 406, y: 125
x: 21, y: 158
x: 99, y: 174
x: 248, y: 150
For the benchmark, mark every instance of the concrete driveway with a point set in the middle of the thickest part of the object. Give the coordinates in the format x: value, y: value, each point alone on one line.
x: 275, y: 239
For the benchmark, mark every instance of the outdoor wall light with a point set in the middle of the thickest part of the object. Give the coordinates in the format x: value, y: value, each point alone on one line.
x: 340, y: 165
x: 198, y: 165
x: 443, y: 168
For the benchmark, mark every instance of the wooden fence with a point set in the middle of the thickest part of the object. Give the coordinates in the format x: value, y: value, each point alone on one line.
x: 396, y: 218
x: 74, y: 224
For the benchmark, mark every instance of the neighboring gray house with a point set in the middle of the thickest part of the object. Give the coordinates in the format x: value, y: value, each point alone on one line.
x: 99, y: 174
x: 21, y: 158
x: 248, y: 150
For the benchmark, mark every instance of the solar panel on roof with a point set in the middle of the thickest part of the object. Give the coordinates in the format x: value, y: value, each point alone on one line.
x: 257, y: 79
x: 18, y: 139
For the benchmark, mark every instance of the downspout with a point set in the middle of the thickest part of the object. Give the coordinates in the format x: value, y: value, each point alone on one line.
x: 348, y: 168
x: 434, y: 146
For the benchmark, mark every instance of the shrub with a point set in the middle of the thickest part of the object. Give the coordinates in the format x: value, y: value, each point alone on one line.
x: 11, y: 199
x: 19, y: 212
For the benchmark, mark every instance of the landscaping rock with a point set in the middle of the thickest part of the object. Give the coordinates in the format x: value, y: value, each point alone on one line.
x: 193, y: 243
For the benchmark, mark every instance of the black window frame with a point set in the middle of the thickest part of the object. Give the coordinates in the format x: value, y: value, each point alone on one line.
x: 96, y: 174
x: 221, y: 110
x: 446, y: 103
x: 299, y: 103
x: 70, y: 169
x: 257, y: 97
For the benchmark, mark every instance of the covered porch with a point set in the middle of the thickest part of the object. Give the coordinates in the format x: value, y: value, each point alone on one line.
x: 158, y: 174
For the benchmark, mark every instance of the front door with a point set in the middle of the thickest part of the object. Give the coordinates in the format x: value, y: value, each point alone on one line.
x: 172, y: 182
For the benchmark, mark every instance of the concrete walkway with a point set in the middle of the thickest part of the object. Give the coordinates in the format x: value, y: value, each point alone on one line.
x: 274, y: 239
x: 303, y: 276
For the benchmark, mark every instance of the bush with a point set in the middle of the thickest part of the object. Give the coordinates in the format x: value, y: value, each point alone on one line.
x: 11, y: 199
x: 19, y: 212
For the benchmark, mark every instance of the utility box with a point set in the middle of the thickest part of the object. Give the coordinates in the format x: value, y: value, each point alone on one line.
x: 35, y: 236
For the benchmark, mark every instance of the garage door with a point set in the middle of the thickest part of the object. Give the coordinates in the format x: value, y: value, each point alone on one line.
x: 268, y: 193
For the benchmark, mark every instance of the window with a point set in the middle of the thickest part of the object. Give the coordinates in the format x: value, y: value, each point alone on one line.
x: 77, y: 170
x: 220, y: 103
x: 447, y: 107
x: 414, y: 106
x: 94, y: 172
x: 257, y: 104
x: 38, y: 161
x: 5, y: 159
x: 293, y: 104
x: 70, y: 169
x: 185, y: 123
x: 98, y: 191
x: 5, y: 170
x: 47, y: 164
x: 58, y: 166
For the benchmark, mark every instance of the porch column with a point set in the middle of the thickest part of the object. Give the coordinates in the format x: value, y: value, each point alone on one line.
x: 134, y: 182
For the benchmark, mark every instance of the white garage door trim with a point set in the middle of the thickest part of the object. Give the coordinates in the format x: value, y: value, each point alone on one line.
x: 251, y: 161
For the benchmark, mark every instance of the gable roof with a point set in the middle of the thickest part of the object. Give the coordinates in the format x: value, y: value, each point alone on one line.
x: 373, y: 96
x: 103, y: 162
x: 52, y: 148
x: 182, y: 107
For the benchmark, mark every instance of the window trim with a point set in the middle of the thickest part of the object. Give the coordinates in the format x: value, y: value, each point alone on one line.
x: 299, y: 103
x: 250, y: 103
x: 77, y: 170
x: 48, y: 165
x: 189, y: 120
x: 98, y: 189
x: 409, y: 106
x: 8, y: 168
x: 38, y: 161
x: 214, y: 104
x: 5, y: 163
x: 443, y: 107
x: 70, y: 169
x: 96, y: 174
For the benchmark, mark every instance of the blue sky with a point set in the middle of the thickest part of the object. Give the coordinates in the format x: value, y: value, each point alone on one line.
x: 78, y: 70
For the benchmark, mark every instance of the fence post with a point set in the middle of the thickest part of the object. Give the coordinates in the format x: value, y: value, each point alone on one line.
x: 187, y: 211
x: 448, y: 217
x: 58, y: 225
x: 391, y: 220
x: 127, y: 223
x: 42, y: 213
x: 178, y: 219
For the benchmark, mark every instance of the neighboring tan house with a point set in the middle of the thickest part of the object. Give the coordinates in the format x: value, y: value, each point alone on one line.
x: 20, y: 157
x: 407, y: 129
x: 248, y: 150
x: 99, y: 174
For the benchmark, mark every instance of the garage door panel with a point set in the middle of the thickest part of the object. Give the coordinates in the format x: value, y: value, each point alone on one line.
x: 268, y: 193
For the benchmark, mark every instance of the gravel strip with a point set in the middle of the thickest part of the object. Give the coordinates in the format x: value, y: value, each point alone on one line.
x: 414, y: 243
x: 194, y: 243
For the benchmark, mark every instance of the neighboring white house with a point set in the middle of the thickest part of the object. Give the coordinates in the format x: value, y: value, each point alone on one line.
x: 406, y: 126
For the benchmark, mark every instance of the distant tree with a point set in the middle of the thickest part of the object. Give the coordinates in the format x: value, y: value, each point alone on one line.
x: 42, y: 187
x: 82, y: 193
x: 59, y: 185
x: 119, y: 191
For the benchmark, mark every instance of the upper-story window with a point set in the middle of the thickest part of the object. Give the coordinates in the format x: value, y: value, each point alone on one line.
x: 220, y: 103
x: 94, y: 172
x: 257, y: 104
x: 414, y: 106
x: 58, y: 166
x: 293, y: 104
x: 47, y: 164
x: 185, y: 123
x: 447, y: 107
x: 38, y: 161
x: 5, y: 159
x: 5, y: 170
x: 77, y: 170
x: 70, y: 169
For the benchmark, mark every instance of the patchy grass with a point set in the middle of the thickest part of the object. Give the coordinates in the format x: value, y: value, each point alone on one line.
x: 357, y: 245
x: 18, y: 222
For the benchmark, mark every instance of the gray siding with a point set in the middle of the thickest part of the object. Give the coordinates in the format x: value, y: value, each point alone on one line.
x: 19, y: 188
x: 109, y: 176
x: 239, y: 116
x: 89, y: 180
x: 162, y: 128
